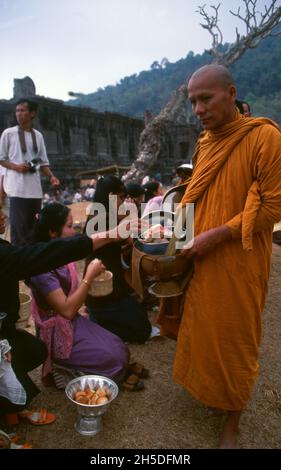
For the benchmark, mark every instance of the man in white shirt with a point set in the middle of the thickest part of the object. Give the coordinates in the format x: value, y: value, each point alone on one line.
x: 3, y: 198
x: 2, y: 192
x: 22, y: 154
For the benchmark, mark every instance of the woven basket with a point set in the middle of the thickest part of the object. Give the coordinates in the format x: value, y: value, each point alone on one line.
x: 102, y: 285
x: 24, y: 312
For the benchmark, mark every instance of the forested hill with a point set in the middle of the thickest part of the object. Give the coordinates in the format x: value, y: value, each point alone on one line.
x: 257, y: 74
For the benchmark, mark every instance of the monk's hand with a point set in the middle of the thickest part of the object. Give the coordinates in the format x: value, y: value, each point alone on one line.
x: 206, y: 242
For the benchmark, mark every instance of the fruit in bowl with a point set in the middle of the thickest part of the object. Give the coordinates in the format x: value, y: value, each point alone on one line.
x: 91, y: 396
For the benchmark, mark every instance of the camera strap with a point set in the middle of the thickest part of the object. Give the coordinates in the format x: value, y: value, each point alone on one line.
x: 23, y: 143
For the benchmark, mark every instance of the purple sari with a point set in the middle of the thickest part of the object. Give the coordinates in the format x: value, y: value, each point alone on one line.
x: 79, y: 343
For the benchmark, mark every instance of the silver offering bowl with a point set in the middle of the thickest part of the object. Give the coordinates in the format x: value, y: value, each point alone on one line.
x: 89, y: 420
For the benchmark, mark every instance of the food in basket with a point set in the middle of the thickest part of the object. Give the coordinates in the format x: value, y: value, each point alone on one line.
x: 90, y: 396
x: 156, y: 234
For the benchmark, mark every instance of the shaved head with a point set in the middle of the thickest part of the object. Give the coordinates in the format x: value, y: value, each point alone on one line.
x: 218, y: 72
x: 212, y: 93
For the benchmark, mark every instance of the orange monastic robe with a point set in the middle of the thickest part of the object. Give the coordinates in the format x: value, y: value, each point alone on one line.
x: 237, y: 182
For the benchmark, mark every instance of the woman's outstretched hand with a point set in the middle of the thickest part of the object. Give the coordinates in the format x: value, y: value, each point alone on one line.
x: 128, y: 228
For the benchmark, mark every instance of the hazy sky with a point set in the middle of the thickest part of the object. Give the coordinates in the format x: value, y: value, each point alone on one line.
x: 80, y: 45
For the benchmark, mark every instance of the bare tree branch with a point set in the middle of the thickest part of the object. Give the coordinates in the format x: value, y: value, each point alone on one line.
x: 152, y: 135
x: 212, y: 24
x: 258, y: 26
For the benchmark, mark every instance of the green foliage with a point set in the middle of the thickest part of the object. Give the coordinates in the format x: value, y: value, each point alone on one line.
x: 257, y: 74
x: 267, y: 105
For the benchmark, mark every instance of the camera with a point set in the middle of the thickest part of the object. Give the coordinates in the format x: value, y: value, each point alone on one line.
x: 34, y: 165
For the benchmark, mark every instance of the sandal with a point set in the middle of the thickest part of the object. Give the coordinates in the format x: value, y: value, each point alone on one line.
x: 133, y: 383
x: 7, y: 441
x: 26, y: 445
x: 138, y: 369
x: 38, y: 417
x: 14, y: 437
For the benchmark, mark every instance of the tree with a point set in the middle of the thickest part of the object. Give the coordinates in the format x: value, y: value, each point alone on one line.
x: 164, y: 62
x: 155, y: 65
x: 258, y: 26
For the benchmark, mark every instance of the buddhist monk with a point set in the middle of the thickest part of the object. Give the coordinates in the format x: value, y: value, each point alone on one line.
x: 236, y: 188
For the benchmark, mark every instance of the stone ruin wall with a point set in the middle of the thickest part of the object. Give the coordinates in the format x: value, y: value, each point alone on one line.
x: 80, y: 139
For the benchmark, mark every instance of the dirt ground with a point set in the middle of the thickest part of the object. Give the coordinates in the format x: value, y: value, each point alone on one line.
x: 163, y: 415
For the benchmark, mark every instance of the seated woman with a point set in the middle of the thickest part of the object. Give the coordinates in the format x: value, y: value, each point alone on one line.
x: 119, y: 312
x: 73, y: 341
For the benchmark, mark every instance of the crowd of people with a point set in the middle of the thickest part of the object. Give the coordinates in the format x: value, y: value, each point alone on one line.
x: 235, y: 185
x: 70, y: 196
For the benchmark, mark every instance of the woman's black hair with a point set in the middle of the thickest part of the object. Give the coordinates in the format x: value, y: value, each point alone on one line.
x: 150, y: 189
x: 52, y: 217
x: 106, y: 185
x: 239, y: 104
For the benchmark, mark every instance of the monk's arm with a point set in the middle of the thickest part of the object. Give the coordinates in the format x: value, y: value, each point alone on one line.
x: 205, y: 242
x: 268, y: 168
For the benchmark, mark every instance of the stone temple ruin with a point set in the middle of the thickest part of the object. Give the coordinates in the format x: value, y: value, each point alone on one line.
x: 81, y: 140
x: 24, y: 87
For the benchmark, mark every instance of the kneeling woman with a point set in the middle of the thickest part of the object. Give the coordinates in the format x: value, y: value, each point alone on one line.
x: 119, y: 312
x: 72, y: 340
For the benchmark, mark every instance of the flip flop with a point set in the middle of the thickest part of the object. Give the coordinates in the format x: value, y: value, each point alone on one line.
x: 138, y: 369
x: 133, y: 383
x: 7, y: 441
x: 26, y: 445
x: 38, y: 417
x: 14, y: 437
